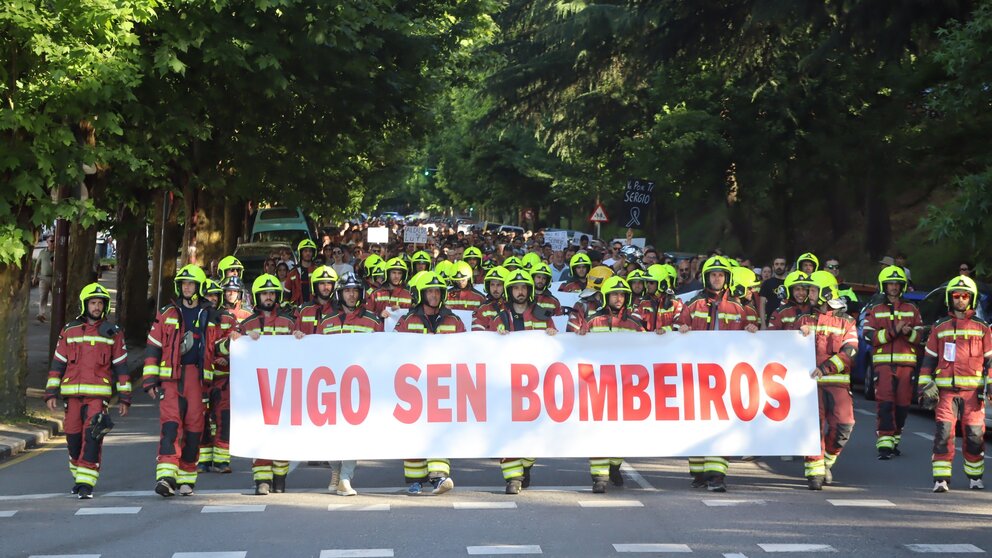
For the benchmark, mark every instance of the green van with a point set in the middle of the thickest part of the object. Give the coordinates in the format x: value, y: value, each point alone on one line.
x: 283, y: 224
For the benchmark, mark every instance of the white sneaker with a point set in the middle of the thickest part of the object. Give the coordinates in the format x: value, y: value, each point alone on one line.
x: 345, y: 489
x: 335, y: 480
x: 976, y: 484
x: 940, y: 486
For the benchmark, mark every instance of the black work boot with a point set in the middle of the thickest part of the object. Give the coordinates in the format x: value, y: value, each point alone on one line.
x: 279, y: 484
x: 525, y: 480
x: 814, y: 483
x: 513, y: 486
x: 698, y: 480
x: 885, y: 454
x: 262, y: 488
x: 616, y: 477
x: 599, y: 484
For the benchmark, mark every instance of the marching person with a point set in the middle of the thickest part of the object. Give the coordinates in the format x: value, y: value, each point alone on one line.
x: 229, y: 266
x: 796, y: 303
x: 90, y: 352
x: 214, y: 296
x: 268, y: 319
x: 893, y: 327
x: 614, y: 315
x: 521, y: 313
x: 954, y: 379
x: 836, y: 346
x: 351, y: 317
x: 462, y: 294
x: 420, y: 261
x: 429, y: 316
x: 309, y: 316
x: 712, y: 310
x: 579, y: 266
x: 808, y: 263
x: 744, y: 285
x: 392, y: 295
x: 541, y: 273
x: 662, y: 307
x: 299, y: 277
x: 473, y: 257
x: 493, y: 283
x: 590, y: 298
x: 173, y: 374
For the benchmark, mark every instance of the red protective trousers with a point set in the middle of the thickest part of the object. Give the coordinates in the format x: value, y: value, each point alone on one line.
x: 215, y: 443
x: 836, y: 424
x: 181, y: 416
x: 893, y: 395
x: 971, y: 409
x: 84, y: 450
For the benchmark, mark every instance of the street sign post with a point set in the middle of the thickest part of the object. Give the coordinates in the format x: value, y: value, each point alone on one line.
x: 599, y: 216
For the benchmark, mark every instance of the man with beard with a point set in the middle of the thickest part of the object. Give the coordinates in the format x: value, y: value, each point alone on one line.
x: 310, y: 315
x: 485, y: 314
x: 299, y: 277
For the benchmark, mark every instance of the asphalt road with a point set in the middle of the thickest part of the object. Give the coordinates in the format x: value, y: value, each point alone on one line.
x: 874, y: 509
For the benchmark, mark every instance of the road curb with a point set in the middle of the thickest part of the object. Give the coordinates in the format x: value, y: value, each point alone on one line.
x: 16, y: 438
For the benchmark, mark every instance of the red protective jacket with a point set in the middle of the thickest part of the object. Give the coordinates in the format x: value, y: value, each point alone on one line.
x: 958, y: 353
x: 162, y: 356
x: 606, y: 321
x: 750, y: 312
x: 310, y: 315
x: 785, y: 317
x: 836, y: 344
x: 549, y: 302
x: 218, y: 330
x: 87, y: 357
x: 359, y: 320
x: 298, y: 281
x: 535, y: 317
x: 573, y: 286
x: 711, y: 311
x: 582, y: 310
x: 882, y: 324
x: 275, y: 322
x: 388, y: 297
x: 484, y: 314
x: 464, y: 299
x: 417, y: 322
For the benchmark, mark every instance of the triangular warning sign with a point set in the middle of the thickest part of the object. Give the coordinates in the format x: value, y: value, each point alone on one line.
x: 599, y: 215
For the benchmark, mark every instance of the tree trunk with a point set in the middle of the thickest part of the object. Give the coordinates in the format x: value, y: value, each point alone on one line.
x: 189, y: 255
x: 878, y: 227
x: 165, y: 248
x: 232, y: 225
x: 210, y: 217
x: 15, y: 288
x: 133, y: 308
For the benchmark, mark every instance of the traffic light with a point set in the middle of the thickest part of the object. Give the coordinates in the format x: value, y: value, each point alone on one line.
x: 429, y: 171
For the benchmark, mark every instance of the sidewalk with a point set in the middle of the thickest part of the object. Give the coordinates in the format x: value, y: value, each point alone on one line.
x: 40, y: 425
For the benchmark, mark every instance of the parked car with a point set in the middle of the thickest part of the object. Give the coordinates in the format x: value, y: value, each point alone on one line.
x: 282, y: 224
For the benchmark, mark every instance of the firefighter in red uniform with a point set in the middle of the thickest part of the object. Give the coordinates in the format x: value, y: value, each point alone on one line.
x: 743, y: 287
x: 368, y: 268
x: 662, y: 308
x: 231, y: 314
x: 894, y: 329
x: 392, y: 295
x: 637, y: 279
x: 954, y: 377
x: 796, y: 294
x: 89, y: 353
x: 462, y: 295
x: 836, y: 345
x: 580, y: 265
x: 214, y: 295
x: 420, y: 261
x: 494, y: 299
x: 513, y: 263
x: 541, y: 273
x: 713, y: 310
x: 173, y: 374
x: 351, y: 316
x: 590, y: 299
x: 229, y: 266
x: 429, y: 316
x: 309, y: 316
x: 268, y: 319
x: 521, y: 313
x: 299, y: 276
x: 473, y: 257
x: 613, y: 315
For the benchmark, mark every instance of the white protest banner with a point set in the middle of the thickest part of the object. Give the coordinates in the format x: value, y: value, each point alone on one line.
x: 378, y: 235
x: 480, y: 395
x: 639, y: 242
x: 567, y: 300
x: 557, y: 239
x: 415, y: 235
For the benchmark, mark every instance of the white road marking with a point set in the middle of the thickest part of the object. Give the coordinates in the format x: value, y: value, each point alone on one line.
x: 925, y: 436
x: 33, y: 496
x: 64, y: 556
x: 862, y: 503
x: 293, y: 465
x: 610, y: 504
x: 729, y: 503
x: 504, y: 549
x: 356, y: 507
x: 637, y: 477
x: 797, y: 548
x: 945, y: 548
x: 108, y: 511
x: 8, y: 513
x: 233, y: 509
x: 485, y: 505
x: 644, y: 548
x: 357, y: 553
x: 864, y: 412
x: 231, y: 554
x: 733, y: 555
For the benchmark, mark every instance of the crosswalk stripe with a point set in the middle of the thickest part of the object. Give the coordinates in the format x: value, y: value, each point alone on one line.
x: 228, y: 554
x: 233, y: 509
x: 357, y: 553
x: 8, y: 513
x: 64, y: 556
x: 108, y: 511
x: 733, y: 555
x: 639, y: 548
x: 610, y: 504
x: 729, y: 503
x: 484, y: 505
x: 924, y: 436
x: 768, y: 547
x: 355, y: 507
x: 862, y: 503
x: 945, y: 548
x: 504, y: 549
